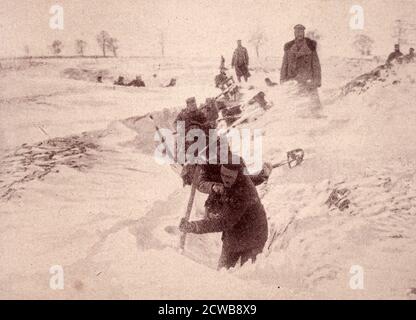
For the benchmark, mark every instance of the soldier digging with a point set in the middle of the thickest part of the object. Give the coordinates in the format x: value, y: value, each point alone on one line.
x: 234, y: 208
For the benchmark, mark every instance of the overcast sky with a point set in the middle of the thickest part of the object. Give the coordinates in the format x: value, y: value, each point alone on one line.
x: 195, y: 27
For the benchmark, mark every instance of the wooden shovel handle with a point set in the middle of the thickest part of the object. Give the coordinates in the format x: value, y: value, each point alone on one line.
x: 190, y: 204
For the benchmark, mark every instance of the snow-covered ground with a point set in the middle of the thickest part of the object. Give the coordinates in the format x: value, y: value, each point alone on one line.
x: 79, y: 186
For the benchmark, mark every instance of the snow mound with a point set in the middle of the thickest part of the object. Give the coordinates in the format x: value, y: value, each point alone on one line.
x: 116, y: 134
x: 382, y: 76
x: 86, y: 74
x: 34, y: 162
x: 313, y: 246
x: 145, y: 128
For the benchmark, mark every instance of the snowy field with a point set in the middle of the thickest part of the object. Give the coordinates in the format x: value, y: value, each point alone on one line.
x: 79, y: 186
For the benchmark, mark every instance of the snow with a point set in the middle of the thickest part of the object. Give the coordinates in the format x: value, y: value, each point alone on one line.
x: 97, y: 203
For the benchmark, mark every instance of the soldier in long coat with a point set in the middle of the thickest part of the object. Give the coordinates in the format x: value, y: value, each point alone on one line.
x: 237, y: 212
x: 301, y: 63
x: 240, y: 62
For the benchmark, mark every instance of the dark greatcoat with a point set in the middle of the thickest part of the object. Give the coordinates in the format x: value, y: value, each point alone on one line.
x: 301, y: 63
x: 240, y: 62
x: 242, y: 218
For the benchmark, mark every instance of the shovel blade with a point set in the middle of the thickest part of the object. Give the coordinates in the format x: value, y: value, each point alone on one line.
x: 295, y: 157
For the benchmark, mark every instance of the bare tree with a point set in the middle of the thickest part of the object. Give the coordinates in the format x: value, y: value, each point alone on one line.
x: 112, y: 45
x: 26, y: 50
x: 102, y: 39
x: 162, y: 43
x: 258, y: 39
x: 28, y: 57
x: 404, y: 32
x: 57, y: 47
x: 80, y: 46
x: 363, y: 44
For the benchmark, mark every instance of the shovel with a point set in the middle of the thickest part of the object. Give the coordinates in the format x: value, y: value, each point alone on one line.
x: 189, y: 207
x: 294, y: 158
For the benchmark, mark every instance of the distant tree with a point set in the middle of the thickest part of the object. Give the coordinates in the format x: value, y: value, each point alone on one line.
x: 363, y: 44
x: 102, y: 39
x: 404, y: 32
x: 162, y: 43
x: 314, y: 35
x: 80, y: 46
x: 57, y: 47
x: 26, y: 50
x: 112, y: 45
x: 258, y: 39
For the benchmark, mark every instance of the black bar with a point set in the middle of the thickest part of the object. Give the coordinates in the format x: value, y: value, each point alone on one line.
x: 205, y: 309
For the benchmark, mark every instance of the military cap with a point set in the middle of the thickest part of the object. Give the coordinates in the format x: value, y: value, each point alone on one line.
x: 299, y: 26
x: 191, y: 100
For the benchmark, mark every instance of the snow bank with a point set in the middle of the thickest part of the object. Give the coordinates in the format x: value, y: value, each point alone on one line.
x: 111, y: 224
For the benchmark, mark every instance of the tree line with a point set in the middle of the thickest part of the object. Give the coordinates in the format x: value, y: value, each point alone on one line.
x: 362, y: 43
x: 105, y: 42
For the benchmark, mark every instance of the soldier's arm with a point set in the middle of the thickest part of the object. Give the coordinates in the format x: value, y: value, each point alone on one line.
x: 233, y: 60
x: 247, y: 58
x: 230, y: 216
x: 283, y: 70
x: 262, y: 176
x: 390, y: 57
x: 204, y: 184
x: 258, y: 179
x: 316, y: 69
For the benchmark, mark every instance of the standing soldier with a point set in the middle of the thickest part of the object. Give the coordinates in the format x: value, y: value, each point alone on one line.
x: 138, y: 82
x: 240, y: 62
x: 301, y: 63
x: 233, y: 208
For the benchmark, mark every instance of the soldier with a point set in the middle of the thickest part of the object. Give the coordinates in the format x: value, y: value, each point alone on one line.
x: 240, y: 62
x: 211, y: 112
x: 192, y: 118
x: 220, y: 78
x: 233, y: 208
x: 410, y: 57
x: 172, y: 83
x: 138, y: 82
x: 191, y: 115
x: 222, y: 63
x: 120, y: 81
x: 270, y: 83
x: 394, y: 55
x: 301, y: 63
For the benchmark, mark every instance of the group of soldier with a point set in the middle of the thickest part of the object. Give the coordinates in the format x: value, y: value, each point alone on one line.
x: 138, y: 82
x: 233, y: 206
x: 398, y: 56
x: 300, y: 61
x: 300, y: 64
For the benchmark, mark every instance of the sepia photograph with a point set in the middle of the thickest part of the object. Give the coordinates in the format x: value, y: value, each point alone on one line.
x: 183, y: 150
